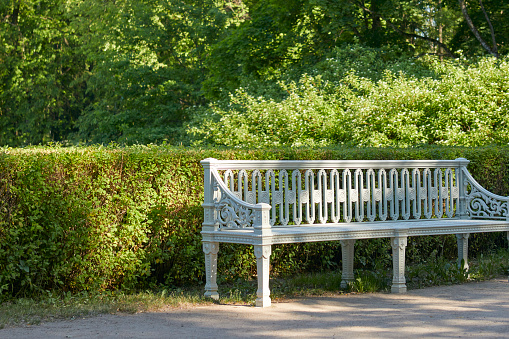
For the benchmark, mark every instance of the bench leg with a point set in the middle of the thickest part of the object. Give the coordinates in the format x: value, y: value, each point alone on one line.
x: 262, y: 254
x: 210, y: 249
x: 347, y: 253
x: 398, y: 264
x: 462, y: 240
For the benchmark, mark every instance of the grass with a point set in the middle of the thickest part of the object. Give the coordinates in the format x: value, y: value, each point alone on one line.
x: 49, y: 307
x: 439, y: 271
x: 436, y: 271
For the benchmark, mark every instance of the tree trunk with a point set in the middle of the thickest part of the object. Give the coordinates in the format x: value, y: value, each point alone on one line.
x: 15, y: 13
x: 440, y: 35
x: 492, y: 31
x: 376, y: 24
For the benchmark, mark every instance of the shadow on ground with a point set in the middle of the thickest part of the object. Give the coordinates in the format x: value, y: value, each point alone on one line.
x: 468, y: 310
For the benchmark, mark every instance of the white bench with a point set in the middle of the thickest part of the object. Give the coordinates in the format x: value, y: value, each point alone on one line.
x: 266, y: 202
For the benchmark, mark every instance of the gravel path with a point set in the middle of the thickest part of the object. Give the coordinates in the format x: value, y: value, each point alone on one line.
x: 468, y: 310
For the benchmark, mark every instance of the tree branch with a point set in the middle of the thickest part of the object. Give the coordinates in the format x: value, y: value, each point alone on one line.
x: 412, y: 35
x: 474, y: 30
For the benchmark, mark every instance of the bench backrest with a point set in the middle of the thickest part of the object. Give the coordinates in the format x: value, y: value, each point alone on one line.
x: 318, y: 192
x: 321, y: 192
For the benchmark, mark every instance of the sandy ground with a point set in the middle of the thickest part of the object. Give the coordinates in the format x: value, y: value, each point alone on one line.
x: 469, y: 310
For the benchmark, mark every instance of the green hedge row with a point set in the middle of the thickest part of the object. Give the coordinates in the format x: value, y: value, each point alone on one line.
x: 100, y: 218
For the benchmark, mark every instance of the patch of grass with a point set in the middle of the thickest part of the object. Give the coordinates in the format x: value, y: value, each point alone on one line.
x: 440, y: 271
x: 306, y: 284
x: 436, y: 271
x: 490, y: 265
x: 371, y: 281
x: 49, y: 307
x: 238, y: 292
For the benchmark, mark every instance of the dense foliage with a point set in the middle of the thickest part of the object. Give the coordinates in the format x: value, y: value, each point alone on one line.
x: 74, y: 219
x: 90, y: 71
x: 393, y: 103
x: 244, y: 73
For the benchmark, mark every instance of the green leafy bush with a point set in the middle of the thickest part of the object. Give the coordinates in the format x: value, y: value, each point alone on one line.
x: 97, y: 218
x: 405, y: 104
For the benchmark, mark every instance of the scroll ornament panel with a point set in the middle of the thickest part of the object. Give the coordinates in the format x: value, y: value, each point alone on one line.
x: 228, y: 213
x: 482, y: 205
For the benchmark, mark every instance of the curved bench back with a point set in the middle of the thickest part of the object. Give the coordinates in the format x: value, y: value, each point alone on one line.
x: 322, y: 192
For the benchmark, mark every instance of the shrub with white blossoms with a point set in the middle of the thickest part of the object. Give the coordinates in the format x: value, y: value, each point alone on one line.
x: 451, y: 103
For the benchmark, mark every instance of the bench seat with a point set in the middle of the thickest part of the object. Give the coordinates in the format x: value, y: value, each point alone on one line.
x: 365, y: 230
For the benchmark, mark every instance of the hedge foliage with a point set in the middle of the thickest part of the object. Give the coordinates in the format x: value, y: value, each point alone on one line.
x: 100, y: 218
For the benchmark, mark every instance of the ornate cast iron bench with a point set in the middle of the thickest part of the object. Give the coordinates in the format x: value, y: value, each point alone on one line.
x: 262, y: 203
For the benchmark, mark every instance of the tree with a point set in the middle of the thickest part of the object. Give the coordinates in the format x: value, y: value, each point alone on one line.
x: 149, y: 68
x: 41, y: 92
x: 484, y: 19
x: 413, y: 20
x: 492, y: 50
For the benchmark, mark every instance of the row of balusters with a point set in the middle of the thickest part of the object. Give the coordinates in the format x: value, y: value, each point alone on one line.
x: 321, y: 196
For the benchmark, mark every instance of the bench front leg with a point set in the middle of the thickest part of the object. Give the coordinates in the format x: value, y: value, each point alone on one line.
x: 462, y: 240
x: 347, y: 254
x: 262, y: 254
x: 210, y: 249
x: 398, y: 244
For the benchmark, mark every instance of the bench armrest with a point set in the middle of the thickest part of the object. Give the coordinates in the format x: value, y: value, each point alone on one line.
x: 481, y: 203
x: 232, y: 212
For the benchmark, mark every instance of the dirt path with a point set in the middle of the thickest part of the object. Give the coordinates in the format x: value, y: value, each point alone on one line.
x: 469, y: 310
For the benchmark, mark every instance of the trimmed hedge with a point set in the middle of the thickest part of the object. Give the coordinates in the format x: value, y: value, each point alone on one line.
x: 100, y: 218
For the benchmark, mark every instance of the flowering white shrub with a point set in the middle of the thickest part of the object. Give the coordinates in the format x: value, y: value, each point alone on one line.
x: 448, y: 103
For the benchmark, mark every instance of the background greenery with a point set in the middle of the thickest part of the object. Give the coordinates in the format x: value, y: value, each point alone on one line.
x: 362, y: 72
x: 322, y: 76
x: 103, y: 218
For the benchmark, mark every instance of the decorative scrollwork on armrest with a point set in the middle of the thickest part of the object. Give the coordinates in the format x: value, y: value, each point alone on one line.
x: 483, y: 204
x: 231, y: 215
x: 230, y: 211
